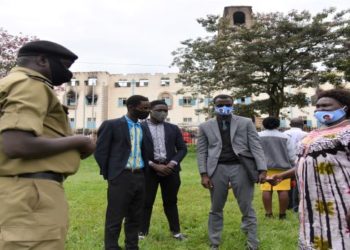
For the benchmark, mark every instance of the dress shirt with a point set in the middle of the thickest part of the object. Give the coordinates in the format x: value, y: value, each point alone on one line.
x: 135, y: 159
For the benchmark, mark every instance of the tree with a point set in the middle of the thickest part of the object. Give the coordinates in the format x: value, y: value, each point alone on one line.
x: 9, y: 45
x: 278, y: 52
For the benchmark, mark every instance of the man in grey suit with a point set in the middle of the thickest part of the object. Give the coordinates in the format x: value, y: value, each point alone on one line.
x: 222, y: 140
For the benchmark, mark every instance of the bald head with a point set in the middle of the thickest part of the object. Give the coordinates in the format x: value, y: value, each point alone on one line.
x: 297, y: 123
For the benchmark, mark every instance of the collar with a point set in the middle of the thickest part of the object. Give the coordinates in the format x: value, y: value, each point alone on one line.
x: 154, y: 124
x: 32, y: 74
x: 131, y: 121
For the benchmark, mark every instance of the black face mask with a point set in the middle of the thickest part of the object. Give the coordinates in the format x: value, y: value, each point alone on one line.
x: 141, y: 114
x: 59, y: 73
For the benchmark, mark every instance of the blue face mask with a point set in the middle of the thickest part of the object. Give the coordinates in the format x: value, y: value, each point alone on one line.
x: 328, y: 117
x: 225, y: 110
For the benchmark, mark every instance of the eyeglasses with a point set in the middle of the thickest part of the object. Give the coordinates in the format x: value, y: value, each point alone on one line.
x: 222, y: 105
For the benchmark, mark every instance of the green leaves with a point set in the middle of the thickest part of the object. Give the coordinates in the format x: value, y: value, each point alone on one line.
x: 279, y: 51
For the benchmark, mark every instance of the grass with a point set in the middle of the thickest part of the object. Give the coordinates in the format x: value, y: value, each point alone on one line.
x: 86, y: 192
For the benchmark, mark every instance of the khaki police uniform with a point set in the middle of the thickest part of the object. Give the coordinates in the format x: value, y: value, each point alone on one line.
x: 33, y: 212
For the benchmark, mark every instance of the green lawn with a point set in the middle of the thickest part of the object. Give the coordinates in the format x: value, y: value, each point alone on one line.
x: 86, y: 192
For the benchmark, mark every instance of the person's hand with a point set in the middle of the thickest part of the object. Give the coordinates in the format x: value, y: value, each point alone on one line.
x: 274, y: 179
x: 171, y: 165
x: 206, y: 182
x: 262, y: 176
x: 162, y: 170
x: 87, y: 146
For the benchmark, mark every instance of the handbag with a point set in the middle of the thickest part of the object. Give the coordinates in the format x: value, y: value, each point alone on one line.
x: 250, y: 166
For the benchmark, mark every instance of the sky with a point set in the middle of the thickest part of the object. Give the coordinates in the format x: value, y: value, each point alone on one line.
x: 128, y: 36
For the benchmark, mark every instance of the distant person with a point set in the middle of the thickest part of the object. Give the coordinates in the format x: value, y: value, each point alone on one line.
x: 280, y: 156
x: 296, y: 134
x: 323, y: 173
x: 37, y: 149
x: 119, y: 154
x: 165, y: 150
x: 221, y: 141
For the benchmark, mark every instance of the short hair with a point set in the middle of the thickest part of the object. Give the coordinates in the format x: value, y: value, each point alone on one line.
x: 340, y: 95
x: 297, y: 123
x: 271, y: 122
x: 24, y: 60
x: 222, y: 96
x: 158, y: 102
x: 135, y: 100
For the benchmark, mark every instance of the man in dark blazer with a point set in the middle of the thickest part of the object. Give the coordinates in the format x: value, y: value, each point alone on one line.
x: 119, y: 156
x: 165, y: 150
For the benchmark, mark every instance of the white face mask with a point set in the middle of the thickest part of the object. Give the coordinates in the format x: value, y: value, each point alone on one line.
x: 159, y: 116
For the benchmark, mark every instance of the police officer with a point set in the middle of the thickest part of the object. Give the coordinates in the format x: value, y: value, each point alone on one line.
x: 37, y: 149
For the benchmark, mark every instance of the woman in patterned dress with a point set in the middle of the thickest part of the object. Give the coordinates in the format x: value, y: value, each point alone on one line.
x: 323, y: 174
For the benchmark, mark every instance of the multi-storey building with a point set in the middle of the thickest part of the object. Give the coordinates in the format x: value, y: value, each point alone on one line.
x: 93, y: 97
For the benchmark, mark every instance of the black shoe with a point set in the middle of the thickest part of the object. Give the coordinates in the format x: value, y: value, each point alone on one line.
x: 214, y: 247
x: 180, y: 236
x: 282, y: 216
x: 269, y: 215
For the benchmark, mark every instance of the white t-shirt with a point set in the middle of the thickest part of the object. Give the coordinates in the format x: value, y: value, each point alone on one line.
x: 295, y: 135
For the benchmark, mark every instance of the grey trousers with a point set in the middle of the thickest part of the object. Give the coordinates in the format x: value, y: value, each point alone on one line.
x: 243, y: 190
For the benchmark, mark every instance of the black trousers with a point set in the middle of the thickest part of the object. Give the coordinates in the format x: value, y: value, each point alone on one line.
x: 125, y: 197
x: 169, y: 187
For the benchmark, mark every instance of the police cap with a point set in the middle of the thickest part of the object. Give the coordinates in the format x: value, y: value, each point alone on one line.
x: 48, y: 48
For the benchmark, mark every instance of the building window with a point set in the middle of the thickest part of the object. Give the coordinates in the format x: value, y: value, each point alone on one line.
x: 91, y: 123
x: 187, y: 119
x: 167, y: 98
x: 91, y: 99
x: 91, y: 81
x: 143, y: 83
x: 122, y: 84
x: 73, y: 82
x: 238, y: 18
x: 283, y: 122
x: 122, y: 102
x: 243, y: 100
x: 207, y: 101
x: 187, y: 101
x: 71, y: 98
x: 72, y: 122
x: 165, y: 82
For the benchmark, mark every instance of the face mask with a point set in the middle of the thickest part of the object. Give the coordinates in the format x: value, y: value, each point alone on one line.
x: 328, y: 117
x: 59, y: 73
x: 159, y: 116
x: 141, y: 114
x: 224, y: 111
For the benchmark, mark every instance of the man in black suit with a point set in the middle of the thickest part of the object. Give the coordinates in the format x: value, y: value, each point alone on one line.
x: 165, y: 150
x: 119, y: 156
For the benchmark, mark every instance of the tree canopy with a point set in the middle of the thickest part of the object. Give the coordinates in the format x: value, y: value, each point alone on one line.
x: 9, y: 45
x: 279, y: 55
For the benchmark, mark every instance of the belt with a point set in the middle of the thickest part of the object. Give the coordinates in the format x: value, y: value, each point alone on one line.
x: 42, y: 175
x: 134, y: 170
x: 164, y: 162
